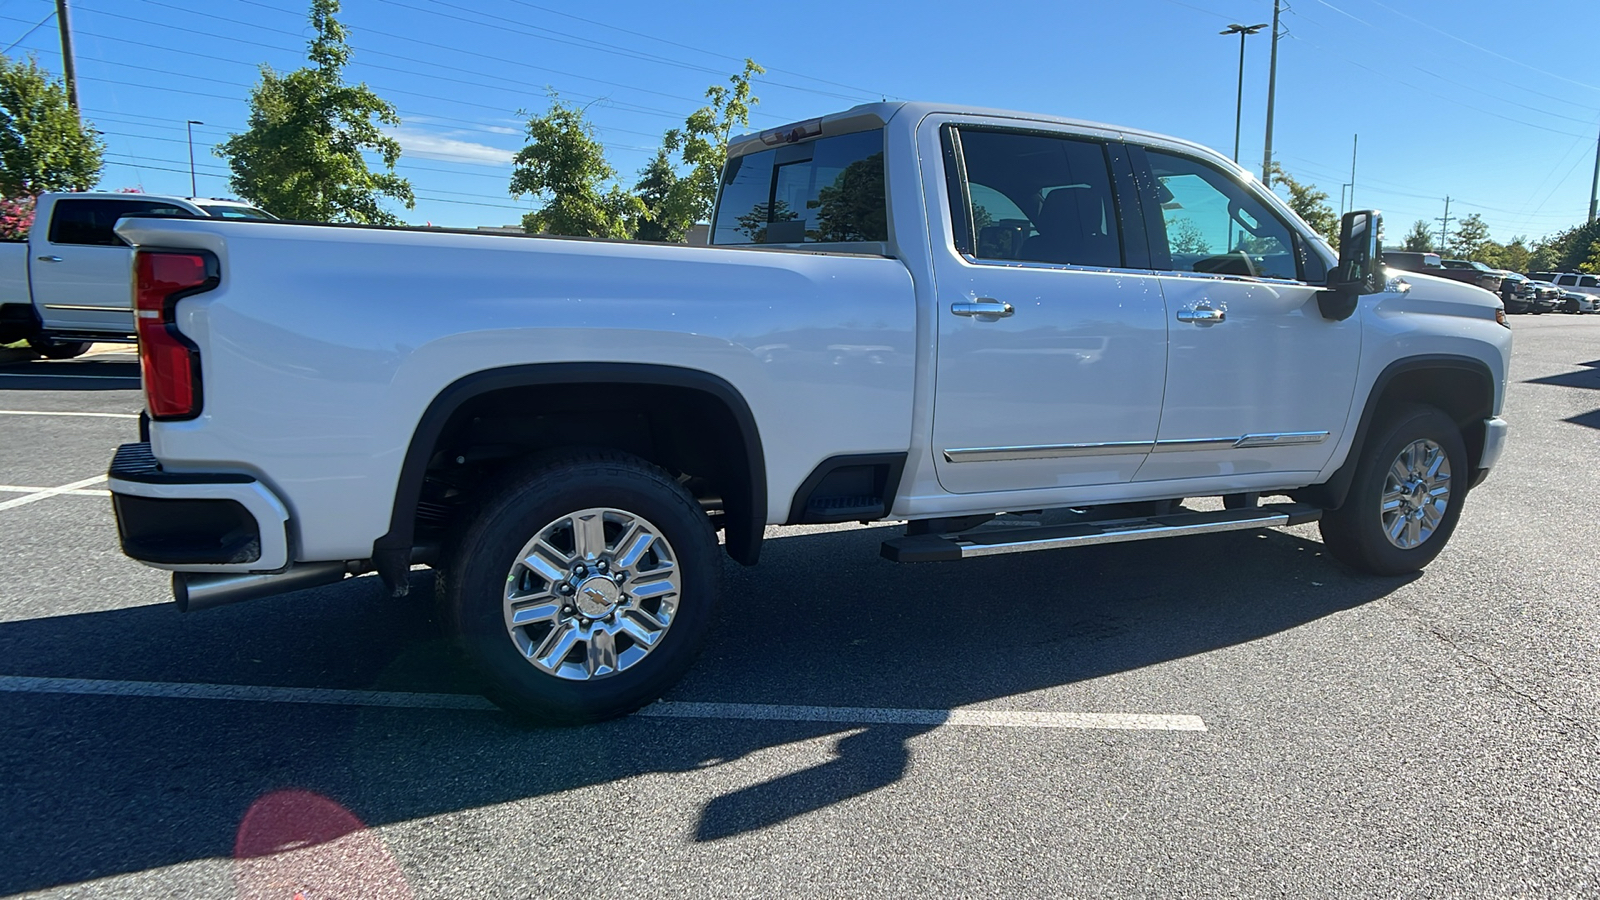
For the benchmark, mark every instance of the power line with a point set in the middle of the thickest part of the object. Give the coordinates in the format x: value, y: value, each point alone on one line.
x: 589, y: 44
x: 29, y: 33
x: 652, y: 37
x: 1482, y: 49
x: 412, y: 70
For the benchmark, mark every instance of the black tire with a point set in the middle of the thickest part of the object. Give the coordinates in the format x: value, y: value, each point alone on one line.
x: 522, y: 504
x: 1355, y: 534
x: 51, y: 349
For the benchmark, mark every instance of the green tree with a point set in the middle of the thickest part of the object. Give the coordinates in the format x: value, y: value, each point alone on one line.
x: 1419, y: 239
x: 1514, y: 255
x: 564, y: 165
x: 1565, y: 250
x: 43, y: 145
x: 302, y: 156
x: 1308, y: 203
x: 702, y: 145
x: 1471, y: 234
x: 654, y: 190
x: 1592, y: 263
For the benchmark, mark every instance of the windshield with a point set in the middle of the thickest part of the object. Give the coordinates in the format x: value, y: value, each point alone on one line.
x: 236, y: 212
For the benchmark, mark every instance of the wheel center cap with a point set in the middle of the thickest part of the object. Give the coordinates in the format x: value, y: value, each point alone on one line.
x: 597, y: 596
x: 1419, y: 495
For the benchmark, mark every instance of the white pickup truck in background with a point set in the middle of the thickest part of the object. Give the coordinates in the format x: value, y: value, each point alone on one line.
x: 908, y: 312
x: 66, y: 286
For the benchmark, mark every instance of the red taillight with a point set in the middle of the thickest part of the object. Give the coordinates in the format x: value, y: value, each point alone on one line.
x: 170, y: 362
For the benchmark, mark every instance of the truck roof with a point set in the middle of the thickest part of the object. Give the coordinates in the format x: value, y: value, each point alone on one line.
x: 858, y: 118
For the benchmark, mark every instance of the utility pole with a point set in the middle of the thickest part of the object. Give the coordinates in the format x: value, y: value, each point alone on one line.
x: 189, y: 127
x: 1272, y: 95
x: 1351, y: 184
x: 1444, y: 226
x: 68, y: 67
x: 1355, y: 144
x: 1594, y: 186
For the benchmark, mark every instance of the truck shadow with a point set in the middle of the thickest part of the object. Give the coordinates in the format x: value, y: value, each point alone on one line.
x: 100, y: 372
x: 98, y: 786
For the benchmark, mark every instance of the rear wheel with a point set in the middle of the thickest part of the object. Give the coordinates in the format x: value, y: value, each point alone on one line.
x: 53, y: 349
x: 584, y: 588
x: 1405, y: 498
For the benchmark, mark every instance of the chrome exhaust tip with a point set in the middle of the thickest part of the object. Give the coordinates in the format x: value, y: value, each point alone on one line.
x: 202, y: 590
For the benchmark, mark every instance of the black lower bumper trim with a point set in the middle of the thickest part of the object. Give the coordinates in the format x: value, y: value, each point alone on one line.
x: 186, y: 532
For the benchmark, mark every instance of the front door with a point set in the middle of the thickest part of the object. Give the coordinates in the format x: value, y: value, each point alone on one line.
x: 1051, y: 349
x: 1257, y: 380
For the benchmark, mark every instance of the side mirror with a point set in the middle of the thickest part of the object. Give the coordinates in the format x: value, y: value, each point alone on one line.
x: 1360, y: 271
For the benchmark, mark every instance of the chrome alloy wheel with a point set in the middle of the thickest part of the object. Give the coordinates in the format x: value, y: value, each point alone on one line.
x: 591, y: 594
x: 1416, y: 493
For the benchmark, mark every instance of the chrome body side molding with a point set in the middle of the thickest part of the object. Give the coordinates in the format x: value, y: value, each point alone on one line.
x: 1116, y: 448
x: 1046, y: 451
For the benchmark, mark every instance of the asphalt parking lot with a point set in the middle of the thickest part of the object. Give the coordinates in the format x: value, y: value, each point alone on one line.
x: 1225, y: 716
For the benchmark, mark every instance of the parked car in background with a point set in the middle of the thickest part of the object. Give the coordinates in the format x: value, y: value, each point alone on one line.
x: 1413, y: 261
x: 1520, y: 296
x: 1475, y: 273
x: 1428, y: 263
x: 1564, y: 299
x: 66, y: 286
x: 1579, y: 283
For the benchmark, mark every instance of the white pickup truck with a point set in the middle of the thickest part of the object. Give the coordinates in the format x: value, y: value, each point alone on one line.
x: 908, y: 312
x: 66, y: 286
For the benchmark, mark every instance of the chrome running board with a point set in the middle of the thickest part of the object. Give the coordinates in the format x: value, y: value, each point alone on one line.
x: 994, y: 541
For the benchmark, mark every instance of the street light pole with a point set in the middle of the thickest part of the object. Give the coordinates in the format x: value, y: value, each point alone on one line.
x: 1272, y: 95
x: 1238, y: 108
x: 189, y: 127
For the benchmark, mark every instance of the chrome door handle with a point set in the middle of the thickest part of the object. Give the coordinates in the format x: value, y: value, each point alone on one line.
x: 1203, y: 315
x: 983, y: 306
x: 49, y: 259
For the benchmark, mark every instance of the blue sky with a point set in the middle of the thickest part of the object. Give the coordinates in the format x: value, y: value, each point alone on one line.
x: 1496, y: 106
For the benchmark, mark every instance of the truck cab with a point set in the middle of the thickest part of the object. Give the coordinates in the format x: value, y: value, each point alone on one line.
x: 67, y: 285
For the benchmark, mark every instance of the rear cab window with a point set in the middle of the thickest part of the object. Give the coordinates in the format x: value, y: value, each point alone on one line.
x: 826, y: 191
x: 89, y: 221
x: 237, y: 212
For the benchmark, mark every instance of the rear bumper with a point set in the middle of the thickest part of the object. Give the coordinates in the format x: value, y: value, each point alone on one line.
x: 196, y: 522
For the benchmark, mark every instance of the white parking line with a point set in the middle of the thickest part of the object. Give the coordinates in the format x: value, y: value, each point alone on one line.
x: 97, y: 415
x: 47, y: 493
x: 18, y: 489
x: 967, y: 718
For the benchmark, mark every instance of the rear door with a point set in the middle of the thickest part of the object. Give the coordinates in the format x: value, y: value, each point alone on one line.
x: 81, y: 271
x: 1257, y: 381
x: 1051, y: 335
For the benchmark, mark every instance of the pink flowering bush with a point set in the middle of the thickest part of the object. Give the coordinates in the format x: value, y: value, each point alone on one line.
x: 16, y: 217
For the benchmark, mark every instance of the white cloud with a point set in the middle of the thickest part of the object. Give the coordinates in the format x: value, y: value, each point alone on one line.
x: 438, y: 146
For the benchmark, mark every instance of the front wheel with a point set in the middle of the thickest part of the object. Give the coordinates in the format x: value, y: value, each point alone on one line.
x: 584, y: 588
x: 1405, y: 498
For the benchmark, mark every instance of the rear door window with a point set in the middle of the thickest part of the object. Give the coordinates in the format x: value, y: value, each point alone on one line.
x: 89, y: 221
x: 1040, y: 198
x: 830, y: 190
